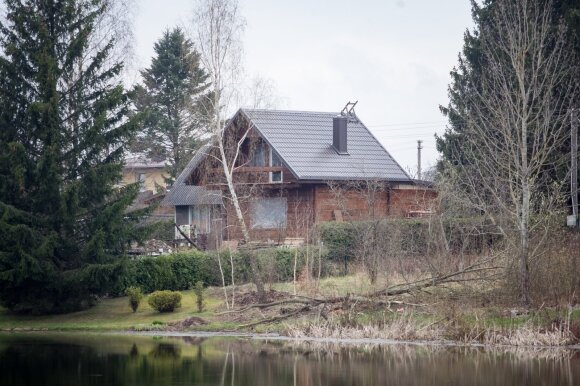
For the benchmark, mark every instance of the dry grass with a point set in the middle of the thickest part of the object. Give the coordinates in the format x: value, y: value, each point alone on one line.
x: 420, y: 326
x: 399, y: 327
x: 528, y: 335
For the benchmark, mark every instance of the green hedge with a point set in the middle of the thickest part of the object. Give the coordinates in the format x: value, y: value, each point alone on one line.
x: 178, y: 271
x: 169, y: 272
x: 412, y: 236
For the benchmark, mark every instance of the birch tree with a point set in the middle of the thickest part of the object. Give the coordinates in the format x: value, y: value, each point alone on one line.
x: 217, y: 29
x: 515, y: 122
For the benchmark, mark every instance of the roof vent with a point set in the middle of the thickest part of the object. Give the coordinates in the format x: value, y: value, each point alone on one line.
x: 340, y: 126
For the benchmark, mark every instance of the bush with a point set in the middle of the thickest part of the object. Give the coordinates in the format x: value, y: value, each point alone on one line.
x: 172, y: 272
x: 165, y: 301
x: 178, y: 271
x: 135, y: 296
x: 340, y: 239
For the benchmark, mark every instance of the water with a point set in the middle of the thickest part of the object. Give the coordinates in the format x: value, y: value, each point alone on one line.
x: 81, y: 359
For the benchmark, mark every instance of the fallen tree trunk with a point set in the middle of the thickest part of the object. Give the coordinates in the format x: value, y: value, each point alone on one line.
x: 373, y: 298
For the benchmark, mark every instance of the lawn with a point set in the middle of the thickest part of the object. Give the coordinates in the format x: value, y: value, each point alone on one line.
x: 115, y: 314
x: 110, y: 314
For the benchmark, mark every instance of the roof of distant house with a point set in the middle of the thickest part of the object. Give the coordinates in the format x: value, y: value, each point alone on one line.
x: 142, y: 162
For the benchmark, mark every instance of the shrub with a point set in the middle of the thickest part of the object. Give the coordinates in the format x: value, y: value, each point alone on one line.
x: 340, y: 238
x: 172, y: 272
x: 198, y: 290
x: 165, y: 301
x: 135, y: 296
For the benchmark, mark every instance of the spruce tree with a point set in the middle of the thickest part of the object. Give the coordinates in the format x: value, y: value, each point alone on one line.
x: 172, y: 96
x: 466, y: 76
x: 65, y: 122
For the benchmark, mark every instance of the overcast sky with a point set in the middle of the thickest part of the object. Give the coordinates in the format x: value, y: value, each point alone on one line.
x: 393, y: 56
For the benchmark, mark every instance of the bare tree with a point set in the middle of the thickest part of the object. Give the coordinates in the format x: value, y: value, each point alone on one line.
x: 516, y: 123
x: 218, y: 26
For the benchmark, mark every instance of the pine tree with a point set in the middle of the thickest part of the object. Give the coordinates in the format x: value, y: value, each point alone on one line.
x: 64, y: 126
x: 172, y: 92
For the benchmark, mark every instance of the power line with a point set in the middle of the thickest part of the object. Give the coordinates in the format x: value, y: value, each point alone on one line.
x: 406, y: 124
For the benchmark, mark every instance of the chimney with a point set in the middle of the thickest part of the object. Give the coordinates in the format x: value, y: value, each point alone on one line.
x: 339, y: 126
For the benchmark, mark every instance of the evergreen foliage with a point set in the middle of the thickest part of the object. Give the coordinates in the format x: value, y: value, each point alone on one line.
x: 173, y: 95
x: 466, y: 76
x: 64, y: 126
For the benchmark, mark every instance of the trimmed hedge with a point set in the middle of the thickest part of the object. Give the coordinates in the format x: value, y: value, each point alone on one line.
x: 173, y: 272
x: 165, y: 301
x: 177, y: 271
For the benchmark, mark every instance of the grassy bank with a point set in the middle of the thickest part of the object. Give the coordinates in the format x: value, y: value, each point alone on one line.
x: 110, y: 314
x: 438, y: 315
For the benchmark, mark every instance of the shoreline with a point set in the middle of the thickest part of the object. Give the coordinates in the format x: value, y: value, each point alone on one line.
x: 285, y: 338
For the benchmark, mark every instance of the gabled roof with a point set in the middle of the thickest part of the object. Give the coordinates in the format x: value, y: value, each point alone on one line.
x: 182, y: 194
x: 303, y: 140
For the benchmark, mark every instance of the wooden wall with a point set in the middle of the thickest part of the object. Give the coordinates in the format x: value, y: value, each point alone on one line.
x: 308, y: 204
x: 299, y: 217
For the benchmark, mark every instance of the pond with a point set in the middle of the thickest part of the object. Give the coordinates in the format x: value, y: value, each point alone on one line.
x: 94, y: 359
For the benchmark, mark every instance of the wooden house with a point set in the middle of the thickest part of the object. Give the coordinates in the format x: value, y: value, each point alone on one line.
x: 292, y: 170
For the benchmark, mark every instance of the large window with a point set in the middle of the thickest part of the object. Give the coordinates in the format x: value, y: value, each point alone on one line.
x: 258, y: 155
x: 269, y: 213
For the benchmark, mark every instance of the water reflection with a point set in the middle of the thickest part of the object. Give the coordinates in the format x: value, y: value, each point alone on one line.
x: 135, y: 360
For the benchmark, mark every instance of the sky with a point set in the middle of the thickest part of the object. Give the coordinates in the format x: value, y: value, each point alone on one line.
x: 392, y: 56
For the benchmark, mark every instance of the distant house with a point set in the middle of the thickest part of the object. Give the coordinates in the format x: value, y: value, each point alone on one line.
x: 151, y: 174
x: 293, y: 170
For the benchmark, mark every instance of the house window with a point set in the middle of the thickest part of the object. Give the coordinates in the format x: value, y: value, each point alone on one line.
x: 269, y: 213
x: 275, y: 161
x: 275, y: 158
x: 258, y: 155
x: 276, y: 176
x: 141, y: 180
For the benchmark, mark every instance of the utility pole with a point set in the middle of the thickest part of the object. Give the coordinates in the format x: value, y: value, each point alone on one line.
x: 574, y: 163
x: 419, y: 147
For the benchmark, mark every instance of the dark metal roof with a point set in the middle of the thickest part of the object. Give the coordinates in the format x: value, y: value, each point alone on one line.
x: 303, y: 139
x: 182, y: 194
x: 201, y: 153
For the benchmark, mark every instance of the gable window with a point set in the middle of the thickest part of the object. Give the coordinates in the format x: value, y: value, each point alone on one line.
x: 269, y: 213
x: 258, y: 155
x: 275, y: 160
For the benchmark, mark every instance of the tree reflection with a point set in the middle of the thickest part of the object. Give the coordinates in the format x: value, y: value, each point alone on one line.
x: 76, y: 360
